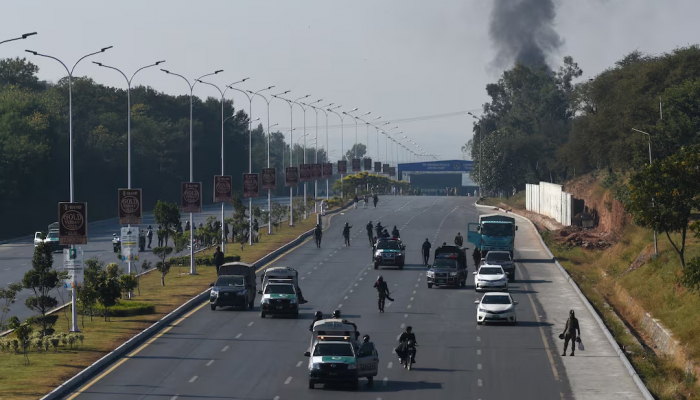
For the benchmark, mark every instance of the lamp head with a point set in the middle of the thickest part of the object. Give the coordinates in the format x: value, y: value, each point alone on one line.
x: 98, y: 63
x: 26, y: 35
x: 33, y: 52
x: 160, y: 62
x: 216, y: 72
x: 102, y: 50
x: 165, y: 70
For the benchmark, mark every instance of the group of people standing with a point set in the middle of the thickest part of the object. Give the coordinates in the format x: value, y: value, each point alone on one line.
x: 366, y: 197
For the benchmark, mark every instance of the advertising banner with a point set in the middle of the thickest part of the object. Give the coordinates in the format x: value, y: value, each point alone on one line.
x: 130, y: 206
x: 250, y: 185
x: 368, y: 164
x: 191, y: 197
x: 130, y: 244
x: 304, y: 172
x: 392, y: 171
x: 342, y: 167
x: 73, y: 263
x: 72, y: 223
x: 328, y: 170
x: 356, y: 165
x: 223, y: 188
x: 316, y: 171
x: 291, y: 176
x: 385, y: 168
x: 269, y: 178
x: 377, y: 166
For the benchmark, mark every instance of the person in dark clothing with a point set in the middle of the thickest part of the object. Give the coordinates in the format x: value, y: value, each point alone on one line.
x: 379, y: 228
x: 355, y: 200
x: 187, y: 226
x: 405, y: 337
x: 370, y: 228
x: 476, y: 255
x: 376, y: 200
x: 317, y: 317
x: 149, y: 235
x: 382, y: 293
x: 459, y: 240
x: 318, y: 233
x: 570, y: 333
x: 161, y: 235
x: 256, y: 228
x: 226, y: 231
x: 346, y: 234
x: 425, y: 250
x: 395, y: 232
x: 218, y: 258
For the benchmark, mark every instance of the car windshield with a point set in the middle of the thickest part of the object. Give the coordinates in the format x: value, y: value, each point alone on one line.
x: 445, y: 263
x: 496, y: 299
x: 497, y: 229
x: 52, y: 235
x: 490, y: 271
x: 279, y: 289
x: 334, y: 349
x: 230, y: 281
x: 388, y: 244
x: 493, y: 256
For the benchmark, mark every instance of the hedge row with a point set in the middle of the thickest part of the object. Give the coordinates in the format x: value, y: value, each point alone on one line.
x: 123, y: 309
x: 201, y: 260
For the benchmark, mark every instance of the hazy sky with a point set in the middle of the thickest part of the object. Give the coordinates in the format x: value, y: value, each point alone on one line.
x: 399, y: 59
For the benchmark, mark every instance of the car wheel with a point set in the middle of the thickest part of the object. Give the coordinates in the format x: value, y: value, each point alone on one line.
x: 262, y: 314
x: 370, y: 381
x: 479, y: 322
x: 250, y: 305
x: 401, y: 266
x: 430, y: 286
x: 296, y: 314
x: 355, y: 384
x: 376, y: 265
x: 312, y: 384
x: 463, y: 283
x: 213, y: 307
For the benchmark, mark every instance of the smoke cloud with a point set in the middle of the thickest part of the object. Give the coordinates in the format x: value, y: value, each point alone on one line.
x: 523, y: 31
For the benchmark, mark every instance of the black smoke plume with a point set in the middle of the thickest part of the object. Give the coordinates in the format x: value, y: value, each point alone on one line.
x: 523, y: 31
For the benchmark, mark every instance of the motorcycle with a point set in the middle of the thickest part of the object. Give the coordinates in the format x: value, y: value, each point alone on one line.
x: 116, y: 243
x: 408, y: 354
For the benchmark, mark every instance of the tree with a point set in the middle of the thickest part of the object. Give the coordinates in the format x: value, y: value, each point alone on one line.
x: 19, y: 72
x: 41, y: 280
x: 23, y: 332
x: 7, y: 297
x: 128, y: 283
x: 168, y: 216
x: 108, y: 291
x: 163, y: 266
x: 361, y: 151
x: 88, y: 293
x: 277, y: 213
x: 663, y: 195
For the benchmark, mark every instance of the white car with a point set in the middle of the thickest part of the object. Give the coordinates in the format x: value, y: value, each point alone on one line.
x: 496, y: 307
x: 490, y: 277
x: 38, y: 238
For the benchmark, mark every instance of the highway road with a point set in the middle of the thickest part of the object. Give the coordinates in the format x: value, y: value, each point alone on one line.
x: 16, y: 257
x: 227, y: 354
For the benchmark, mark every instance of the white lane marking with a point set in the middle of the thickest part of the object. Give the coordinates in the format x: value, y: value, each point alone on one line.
x: 478, y: 338
x: 398, y: 336
x: 405, y: 315
x: 414, y: 292
x: 391, y: 364
x: 345, y: 298
x: 278, y: 398
x: 385, y: 381
x: 403, y: 326
x: 411, y: 299
x: 389, y: 305
x: 478, y: 352
x: 174, y: 397
x: 194, y: 378
x: 250, y: 323
x: 478, y: 381
x: 7, y: 269
x: 340, y: 305
x: 290, y: 379
x: 351, y: 290
x: 299, y: 364
x: 478, y: 366
x: 321, y: 263
x: 315, y: 267
x: 396, y: 284
x: 416, y: 285
x: 365, y: 273
x: 225, y: 348
x: 303, y: 277
x: 360, y: 279
x: 409, y: 306
x: 237, y: 337
x: 478, y: 327
x: 308, y: 273
x: 210, y: 362
x: 355, y: 284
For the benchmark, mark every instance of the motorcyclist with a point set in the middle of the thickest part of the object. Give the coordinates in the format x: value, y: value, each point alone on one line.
x: 425, y: 250
x: 346, y: 234
x: 403, y: 341
x: 318, y: 233
x: 459, y: 240
x: 395, y: 232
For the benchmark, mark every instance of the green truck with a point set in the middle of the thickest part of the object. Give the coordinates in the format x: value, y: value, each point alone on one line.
x: 493, y: 232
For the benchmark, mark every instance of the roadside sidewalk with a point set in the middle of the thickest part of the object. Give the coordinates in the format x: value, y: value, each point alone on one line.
x: 598, y: 373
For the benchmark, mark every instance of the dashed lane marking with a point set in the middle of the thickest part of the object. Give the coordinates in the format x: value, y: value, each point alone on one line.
x: 478, y: 382
x: 385, y: 381
x: 224, y: 349
x: 405, y: 315
x: 194, y: 378
x: 403, y: 326
x: 340, y: 305
x: 351, y: 290
x: 345, y: 298
x: 250, y: 323
x: 299, y: 364
x: 289, y: 379
x: 210, y: 362
x: 478, y: 338
x: 409, y: 306
x: 391, y: 364
x: 478, y: 366
x: 411, y: 299
x: 174, y: 397
x: 238, y: 337
x: 478, y: 352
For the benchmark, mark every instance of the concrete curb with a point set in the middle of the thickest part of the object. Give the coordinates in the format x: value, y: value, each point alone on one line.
x: 630, y: 369
x: 91, y: 371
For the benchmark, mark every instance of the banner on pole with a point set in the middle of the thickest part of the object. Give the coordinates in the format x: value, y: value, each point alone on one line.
x: 368, y: 164
x: 356, y: 165
x: 73, y: 264
x: 342, y: 167
x: 223, y: 188
x: 291, y: 176
x: 269, y: 178
x: 385, y: 168
x: 377, y: 166
x: 72, y: 228
x: 304, y: 172
x: 130, y: 206
x: 191, y: 197
x: 250, y: 185
x: 328, y: 170
x: 316, y: 171
x: 130, y: 244
x: 392, y: 171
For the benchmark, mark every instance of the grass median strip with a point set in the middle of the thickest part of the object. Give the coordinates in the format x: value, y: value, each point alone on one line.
x: 49, y: 368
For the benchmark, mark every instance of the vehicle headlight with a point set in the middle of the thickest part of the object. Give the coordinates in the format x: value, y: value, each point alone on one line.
x: 454, y: 273
x: 430, y: 274
x: 266, y: 301
x: 480, y: 280
x: 293, y: 301
x: 482, y: 309
x: 352, y: 366
x: 315, y: 366
x: 215, y: 292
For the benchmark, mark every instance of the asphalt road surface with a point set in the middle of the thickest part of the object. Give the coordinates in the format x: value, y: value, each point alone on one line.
x: 16, y: 257
x: 230, y: 354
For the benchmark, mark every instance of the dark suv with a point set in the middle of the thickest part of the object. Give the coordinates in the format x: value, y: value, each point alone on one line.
x: 449, y: 267
x: 389, y: 252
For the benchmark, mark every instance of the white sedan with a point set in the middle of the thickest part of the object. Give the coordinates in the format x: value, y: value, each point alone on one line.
x: 496, y: 307
x: 490, y: 277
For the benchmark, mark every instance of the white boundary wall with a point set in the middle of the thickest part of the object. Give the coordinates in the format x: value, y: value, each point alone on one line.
x: 549, y: 199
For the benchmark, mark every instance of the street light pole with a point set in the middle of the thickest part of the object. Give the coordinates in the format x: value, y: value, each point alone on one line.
x: 304, y: 110
x: 327, y: 155
x: 342, y: 140
x: 656, y: 246
x: 74, y: 294
x: 128, y: 132
x: 269, y: 191
x: 193, y: 270
x: 291, y: 145
x: 26, y: 35
x: 316, y: 153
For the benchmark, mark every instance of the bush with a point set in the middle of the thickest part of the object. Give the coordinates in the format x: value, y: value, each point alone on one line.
x: 201, y: 260
x: 123, y: 309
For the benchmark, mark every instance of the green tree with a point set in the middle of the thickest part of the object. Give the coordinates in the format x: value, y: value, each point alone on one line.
x: 19, y: 72
x: 23, y: 332
x: 7, y: 299
x: 41, y: 280
x: 663, y: 195
x: 361, y: 151
x: 163, y: 266
x: 88, y: 293
x: 108, y: 291
x: 128, y: 283
x: 168, y: 216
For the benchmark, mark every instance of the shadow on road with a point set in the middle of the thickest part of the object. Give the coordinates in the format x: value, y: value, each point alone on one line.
x: 535, y: 260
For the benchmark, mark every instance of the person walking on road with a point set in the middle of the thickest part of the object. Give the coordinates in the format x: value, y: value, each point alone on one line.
x: 366, y: 198
x: 569, y: 333
x: 476, y: 255
x: 226, y: 231
x: 376, y: 200
x: 382, y: 292
x: 318, y: 233
x: 346, y: 234
x: 324, y: 205
x: 459, y: 240
x: 218, y: 258
x: 149, y: 235
x: 425, y: 250
x: 161, y: 234
x: 370, y: 228
x: 355, y: 200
